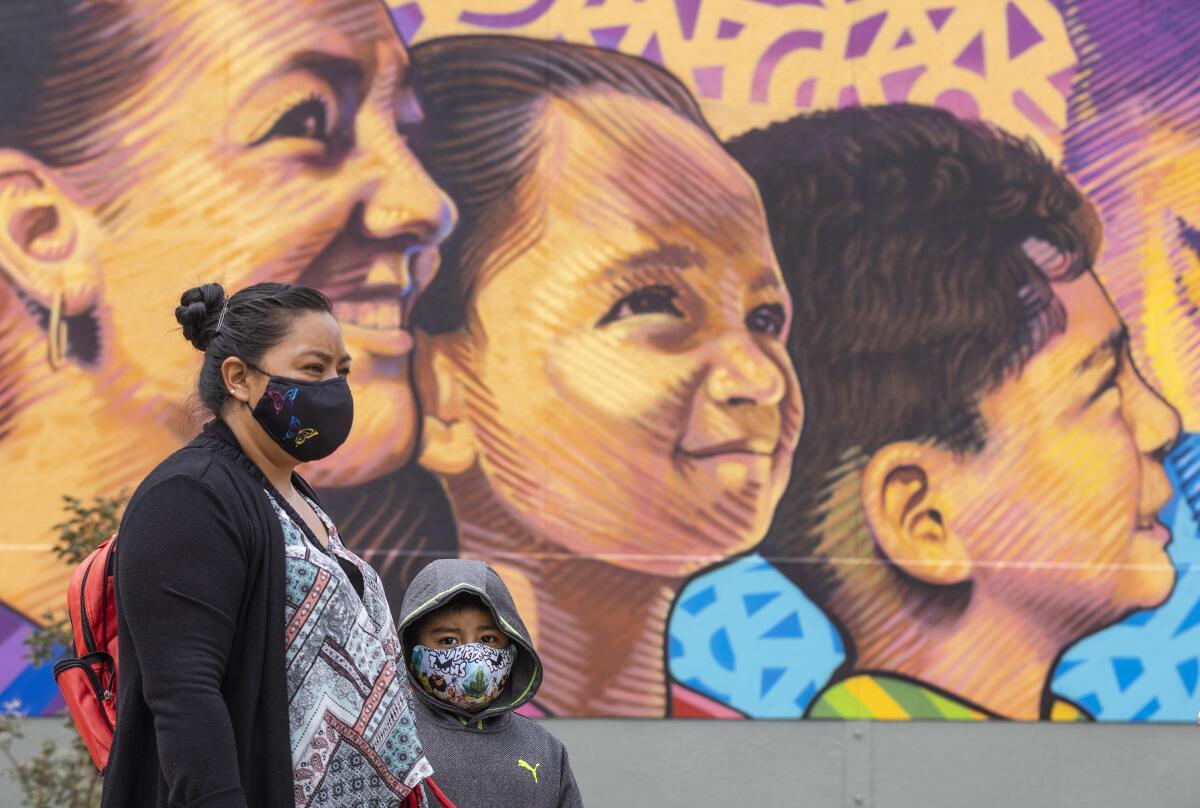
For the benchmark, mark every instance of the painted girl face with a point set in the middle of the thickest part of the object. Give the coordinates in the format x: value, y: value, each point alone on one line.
x: 268, y: 144
x: 625, y: 377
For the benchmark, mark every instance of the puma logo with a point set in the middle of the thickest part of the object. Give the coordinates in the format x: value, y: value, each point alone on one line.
x: 532, y: 769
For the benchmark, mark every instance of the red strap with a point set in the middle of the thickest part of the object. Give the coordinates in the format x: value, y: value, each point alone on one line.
x: 442, y: 799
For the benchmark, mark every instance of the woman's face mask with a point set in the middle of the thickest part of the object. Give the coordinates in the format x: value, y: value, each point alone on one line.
x: 470, y: 675
x: 309, y: 420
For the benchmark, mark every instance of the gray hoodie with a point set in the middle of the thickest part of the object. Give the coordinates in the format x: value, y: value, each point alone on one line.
x: 492, y: 758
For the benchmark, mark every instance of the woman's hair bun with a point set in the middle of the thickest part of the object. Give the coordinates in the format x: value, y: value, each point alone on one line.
x: 198, y: 312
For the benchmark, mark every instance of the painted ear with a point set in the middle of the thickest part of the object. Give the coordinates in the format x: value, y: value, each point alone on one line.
x: 47, y: 238
x: 448, y: 441
x: 903, y: 507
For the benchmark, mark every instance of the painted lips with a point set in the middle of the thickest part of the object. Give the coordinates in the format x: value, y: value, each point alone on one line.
x: 375, y: 313
x: 746, y: 449
x: 1155, y: 530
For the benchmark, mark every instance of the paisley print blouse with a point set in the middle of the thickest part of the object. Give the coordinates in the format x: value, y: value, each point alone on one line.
x: 354, y: 742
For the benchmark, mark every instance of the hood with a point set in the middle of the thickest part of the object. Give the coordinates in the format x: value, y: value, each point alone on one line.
x: 437, y: 584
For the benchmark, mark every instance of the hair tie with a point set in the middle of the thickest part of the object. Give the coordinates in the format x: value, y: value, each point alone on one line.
x: 221, y: 319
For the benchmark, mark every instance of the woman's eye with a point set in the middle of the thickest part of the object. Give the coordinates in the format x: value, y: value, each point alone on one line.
x: 308, y: 120
x: 657, y: 299
x: 448, y: 641
x: 768, y: 319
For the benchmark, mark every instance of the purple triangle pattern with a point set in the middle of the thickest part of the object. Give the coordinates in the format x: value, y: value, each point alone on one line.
x: 938, y: 16
x: 848, y: 97
x: 777, y: 3
x: 1064, y: 80
x: 710, y: 81
x: 897, y: 86
x: 408, y: 19
x: 729, y: 29
x: 904, y: 41
x: 862, y: 35
x: 688, y: 12
x: 1021, y: 34
x: 972, y: 57
x: 805, y: 93
x: 653, y: 51
x: 609, y: 37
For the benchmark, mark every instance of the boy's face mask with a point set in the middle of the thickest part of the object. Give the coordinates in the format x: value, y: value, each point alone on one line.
x: 470, y: 675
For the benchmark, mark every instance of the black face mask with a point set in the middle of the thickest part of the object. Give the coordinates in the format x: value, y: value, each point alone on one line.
x: 309, y: 420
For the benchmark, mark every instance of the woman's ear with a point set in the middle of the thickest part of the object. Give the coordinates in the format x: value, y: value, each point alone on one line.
x: 448, y: 445
x: 235, y: 377
x: 47, y: 237
x: 904, y: 507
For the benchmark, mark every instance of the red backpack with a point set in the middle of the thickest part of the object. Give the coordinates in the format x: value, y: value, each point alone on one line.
x: 88, y: 681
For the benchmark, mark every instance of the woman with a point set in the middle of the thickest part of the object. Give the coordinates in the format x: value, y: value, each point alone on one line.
x: 258, y: 654
x: 239, y: 140
x: 605, y: 385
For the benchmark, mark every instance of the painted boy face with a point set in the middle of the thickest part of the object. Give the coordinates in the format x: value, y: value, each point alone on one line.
x: 268, y: 145
x: 628, y: 385
x: 1059, y: 510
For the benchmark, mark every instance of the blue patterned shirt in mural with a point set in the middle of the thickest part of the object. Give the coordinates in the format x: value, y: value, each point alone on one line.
x: 1146, y: 667
x: 354, y: 741
x: 747, y: 637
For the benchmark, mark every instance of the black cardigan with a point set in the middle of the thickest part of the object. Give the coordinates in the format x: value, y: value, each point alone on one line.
x: 202, y: 716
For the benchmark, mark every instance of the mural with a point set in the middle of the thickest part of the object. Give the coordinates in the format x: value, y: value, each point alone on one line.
x: 868, y: 413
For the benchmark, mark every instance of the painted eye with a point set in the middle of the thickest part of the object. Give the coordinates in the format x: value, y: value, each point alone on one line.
x: 656, y: 299
x: 768, y: 319
x: 308, y: 120
x: 1189, y: 234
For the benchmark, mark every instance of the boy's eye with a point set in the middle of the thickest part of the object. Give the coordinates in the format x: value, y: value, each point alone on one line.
x: 768, y: 319
x: 448, y: 641
x: 656, y: 299
x: 308, y: 119
x: 1110, y: 382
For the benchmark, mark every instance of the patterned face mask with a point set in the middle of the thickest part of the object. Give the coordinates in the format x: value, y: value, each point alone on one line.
x: 470, y: 676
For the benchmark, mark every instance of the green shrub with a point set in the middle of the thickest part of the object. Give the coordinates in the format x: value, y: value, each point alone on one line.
x: 60, y: 776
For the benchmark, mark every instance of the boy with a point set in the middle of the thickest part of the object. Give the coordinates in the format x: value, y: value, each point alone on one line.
x: 982, y: 464
x: 471, y: 664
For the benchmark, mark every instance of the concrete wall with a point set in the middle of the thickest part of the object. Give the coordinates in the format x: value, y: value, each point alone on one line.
x: 624, y: 763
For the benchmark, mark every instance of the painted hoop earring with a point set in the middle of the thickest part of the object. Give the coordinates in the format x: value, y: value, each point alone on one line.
x: 56, y: 333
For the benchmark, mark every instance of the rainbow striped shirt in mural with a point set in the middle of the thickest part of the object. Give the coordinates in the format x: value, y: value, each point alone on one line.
x: 884, y: 697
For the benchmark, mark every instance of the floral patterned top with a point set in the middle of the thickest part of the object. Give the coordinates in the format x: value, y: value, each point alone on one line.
x: 354, y: 741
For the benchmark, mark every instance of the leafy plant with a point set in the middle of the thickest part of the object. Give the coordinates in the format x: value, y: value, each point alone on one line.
x: 60, y: 776
x: 56, y: 777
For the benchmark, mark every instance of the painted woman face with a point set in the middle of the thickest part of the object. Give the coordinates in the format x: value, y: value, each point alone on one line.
x: 1151, y: 260
x: 624, y: 377
x: 269, y: 144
